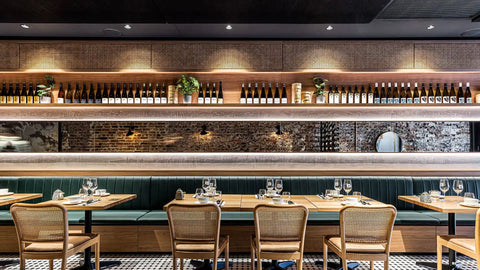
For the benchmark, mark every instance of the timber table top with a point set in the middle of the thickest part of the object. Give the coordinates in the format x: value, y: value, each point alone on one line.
x: 104, y: 203
x: 449, y: 205
x: 18, y: 197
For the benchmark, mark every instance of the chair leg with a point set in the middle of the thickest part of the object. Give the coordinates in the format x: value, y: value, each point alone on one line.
x: 22, y: 263
x: 385, y: 264
x: 50, y: 264
x: 174, y: 262
x: 259, y: 261
x: 252, y: 258
x: 97, y: 255
x: 64, y: 263
x: 344, y: 264
x: 181, y: 264
x: 439, y: 256
x: 300, y: 264
x: 215, y: 263
x: 227, y: 255
x: 372, y: 263
x: 325, y: 255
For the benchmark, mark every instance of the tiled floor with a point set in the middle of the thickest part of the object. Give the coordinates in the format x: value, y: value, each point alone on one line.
x: 240, y: 262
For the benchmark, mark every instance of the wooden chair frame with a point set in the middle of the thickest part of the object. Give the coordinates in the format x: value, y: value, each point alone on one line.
x: 66, y: 252
x: 176, y: 254
x: 255, y: 243
x: 344, y: 255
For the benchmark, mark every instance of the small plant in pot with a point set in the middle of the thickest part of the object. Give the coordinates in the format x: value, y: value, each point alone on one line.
x: 319, y: 84
x: 187, y: 86
x: 44, y: 91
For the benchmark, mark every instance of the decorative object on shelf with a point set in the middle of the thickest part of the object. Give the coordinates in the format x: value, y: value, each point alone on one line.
x: 425, y: 197
x: 45, y: 91
x: 306, y: 97
x: 296, y: 93
x: 389, y: 142
x: 186, y: 87
x: 319, y: 84
x: 477, y: 98
x: 172, y: 95
x: 179, y: 194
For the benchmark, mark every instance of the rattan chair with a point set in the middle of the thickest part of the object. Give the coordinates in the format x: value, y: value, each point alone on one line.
x: 42, y: 231
x: 464, y: 244
x: 195, y: 233
x: 279, y: 233
x: 365, y: 234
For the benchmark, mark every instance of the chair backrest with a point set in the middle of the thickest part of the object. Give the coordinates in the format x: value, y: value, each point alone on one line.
x: 280, y: 223
x: 477, y: 232
x: 194, y: 223
x: 40, y: 222
x: 367, y: 224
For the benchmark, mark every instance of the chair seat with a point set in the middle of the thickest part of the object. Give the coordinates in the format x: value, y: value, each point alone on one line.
x: 280, y: 246
x: 459, y: 240
x: 73, y: 241
x: 191, y: 247
x: 357, y: 247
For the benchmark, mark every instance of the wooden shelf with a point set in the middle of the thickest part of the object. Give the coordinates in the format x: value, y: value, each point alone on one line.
x: 228, y: 112
x: 298, y: 164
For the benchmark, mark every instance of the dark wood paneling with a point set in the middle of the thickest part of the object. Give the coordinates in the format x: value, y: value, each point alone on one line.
x: 461, y: 56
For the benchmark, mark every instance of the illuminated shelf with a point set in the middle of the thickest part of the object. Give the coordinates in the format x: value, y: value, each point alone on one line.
x: 227, y: 112
x: 455, y: 164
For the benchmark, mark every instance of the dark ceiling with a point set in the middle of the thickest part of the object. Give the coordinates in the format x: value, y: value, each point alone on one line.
x: 255, y: 19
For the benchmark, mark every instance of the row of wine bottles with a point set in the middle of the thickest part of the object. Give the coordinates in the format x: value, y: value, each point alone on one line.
x: 392, y: 94
x: 263, y: 97
x: 15, y: 95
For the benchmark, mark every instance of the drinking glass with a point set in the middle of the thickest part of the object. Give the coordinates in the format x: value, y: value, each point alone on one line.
x: 286, y: 196
x: 198, y: 192
x: 328, y: 194
x: 357, y: 194
x: 444, y: 187
x: 458, y: 187
x: 86, y: 184
x: 206, y: 184
x: 469, y: 195
x: 278, y: 186
x: 94, y: 186
x: 213, y: 185
x: 262, y: 193
x: 338, y: 185
x: 347, y: 186
x: 270, y: 186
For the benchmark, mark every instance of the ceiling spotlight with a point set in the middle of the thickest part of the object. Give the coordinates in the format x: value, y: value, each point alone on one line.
x: 127, y: 26
x: 25, y: 26
x: 329, y: 27
x: 204, y: 130
x: 228, y: 27
x: 430, y: 27
x: 279, y: 129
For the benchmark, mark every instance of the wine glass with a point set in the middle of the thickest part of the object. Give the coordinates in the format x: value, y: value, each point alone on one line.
x: 347, y: 186
x: 86, y: 184
x: 270, y: 186
x: 198, y: 192
x: 444, y: 187
x: 206, y: 184
x: 338, y: 185
x: 458, y: 187
x: 286, y: 196
x: 278, y: 186
x: 213, y: 185
x: 93, y: 186
x: 261, y: 193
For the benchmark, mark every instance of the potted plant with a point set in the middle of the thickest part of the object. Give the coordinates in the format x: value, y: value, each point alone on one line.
x: 319, y: 84
x: 44, y: 92
x: 187, y: 86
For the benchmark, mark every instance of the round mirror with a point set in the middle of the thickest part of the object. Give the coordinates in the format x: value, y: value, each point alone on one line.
x: 389, y: 142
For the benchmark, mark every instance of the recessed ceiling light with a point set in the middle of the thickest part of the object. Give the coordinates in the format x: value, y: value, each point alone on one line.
x: 127, y: 26
x: 430, y: 27
x: 25, y: 26
x: 329, y: 27
x: 228, y: 27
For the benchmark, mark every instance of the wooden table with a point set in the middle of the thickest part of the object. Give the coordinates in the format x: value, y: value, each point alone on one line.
x: 18, y: 197
x: 104, y: 204
x: 451, y: 207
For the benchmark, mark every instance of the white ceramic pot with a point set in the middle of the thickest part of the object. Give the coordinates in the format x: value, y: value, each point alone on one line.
x: 320, y: 99
x: 44, y: 99
x: 187, y: 99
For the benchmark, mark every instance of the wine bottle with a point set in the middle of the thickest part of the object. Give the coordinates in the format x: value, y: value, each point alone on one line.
x: 263, y: 95
x: 164, y: 96
x: 111, y: 94
x: 403, y: 94
x: 468, y: 94
x: 98, y: 94
x: 389, y: 93
x: 31, y: 94
x: 396, y: 95
x: 84, y: 97
x: 150, y: 94
x: 69, y: 94
x: 376, y: 96
x: 445, y: 94
x: 76, y: 96
x: 423, y: 95
x: 23, y: 94
x: 383, y: 94
x: 256, y: 98
x: 3, y: 94
x: 356, y: 95
x: 36, y: 98
x: 118, y: 94
x: 249, y: 94
x: 438, y: 94
x: 363, y: 95
x: 431, y: 95
x: 370, y: 95
x: 138, y: 97
x: 284, y: 94
x: 416, y: 97
x: 243, y: 96
x: 16, y: 95
x: 207, y: 94
x: 220, y: 93
x: 351, y: 95
x: 336, y: 99
x: 91, y: 94
x: 460, y: 95
x: 156, y: 97
x: 343, y: 95
x: 10, y: 94
x: 214, y: 99
x: 130, y: 99
x: 276, y: 97
x: 200, y: 95
x: 105, y: 94
x: 61, y: 94
x: 144, y: 94
x: 453, y: 94
x: 124, y: 97
x: 409, y: 94
x: 331, y: 95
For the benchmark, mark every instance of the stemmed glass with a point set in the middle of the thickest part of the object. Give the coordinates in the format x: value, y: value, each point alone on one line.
x: 198, y: 192
x: 338, y: 185
x: 86, y: 184
x: 213, y: 185
x: 444, y: 187
x: 270, y: 186
x: 206, y: 184
x: 347, y: 185
x: 94, y: 185
x: 458, y: 187
x: 278, y: 186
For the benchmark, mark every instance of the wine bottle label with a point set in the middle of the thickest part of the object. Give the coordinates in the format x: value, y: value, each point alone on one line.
x: 344, y: 98
x: 16, y: 99
x: 376, y: 100
x: 469, y: 100
x: 157, y: 100
x: 277, y: 101
x: 438, y: 99
x: 23, y: 99
x: 403, y: 100
x: 207, y: 100
x: 104, y: 100
x: 200, y: 100
x: 336, y: 98
x: 370, y: 98
x: 36, y: 99
x: 423, y: 99
x: 83, y: 101
x: 99, y: 101
x: 118, y: 100
x: 390, y: 100
x: 284, y: 100
x: 383, y: 100
x: 76, y: 100
x: 130, y: 100
x: 163, y: 100
x: 111, y: 100
x: 453, y: 99
x: 66, y: 101
x: 357, y: 98
x: 242, y: 101
x: 213, y: 100
x: 150, y: 100
x: 256, y: 101
x: 396, y: 100
x: 416, y: 100
x: 270, y: 100
x: 144, y: 100
x: 263, y: 101
x: 351, y: 99
x: 249, y: 101
x: 431, y: 99
x: 124, y: 100
x: 29, y: 100
x: 461, y: 100
x: 330, y: 97
x: 409, y: 100
x: 364, y: 99
x: 220, y: 101
x: 59, y: 100
x: 9, y: 99
x: 3, y: 99
x: 91, y: 101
